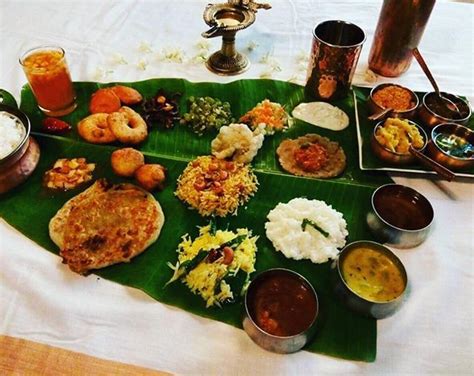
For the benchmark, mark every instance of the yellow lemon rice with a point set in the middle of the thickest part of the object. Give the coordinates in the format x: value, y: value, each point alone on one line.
x: 207, y: 279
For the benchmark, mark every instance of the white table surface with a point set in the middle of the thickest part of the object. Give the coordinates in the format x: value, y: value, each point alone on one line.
x: 41, y: 300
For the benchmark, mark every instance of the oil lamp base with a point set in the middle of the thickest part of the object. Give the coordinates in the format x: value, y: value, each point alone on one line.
x: 227, y: 65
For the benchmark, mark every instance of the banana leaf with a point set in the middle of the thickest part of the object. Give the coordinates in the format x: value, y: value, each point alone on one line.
x: 340, y: 333
x: 7, y: 99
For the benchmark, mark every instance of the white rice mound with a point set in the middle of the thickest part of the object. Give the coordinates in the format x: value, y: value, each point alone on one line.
x: 12, y: 132
x: 284, y: 230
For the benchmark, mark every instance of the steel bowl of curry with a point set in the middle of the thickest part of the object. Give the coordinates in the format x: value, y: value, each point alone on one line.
x: 281, y: 308
x: 452, y: 145
x: 403, y: 102
x: 434, y: 110
x: 392, y: 138
x: 370, y: 279
x: 400, y: 216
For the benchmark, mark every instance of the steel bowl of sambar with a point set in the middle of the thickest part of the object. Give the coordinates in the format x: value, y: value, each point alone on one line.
x: 370, y: 279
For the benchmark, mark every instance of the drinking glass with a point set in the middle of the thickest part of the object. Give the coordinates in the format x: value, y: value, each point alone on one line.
x: 48, y: 75
x: 334, y: 54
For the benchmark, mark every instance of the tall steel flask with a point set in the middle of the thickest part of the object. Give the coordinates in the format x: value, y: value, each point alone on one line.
x: 399, y: 30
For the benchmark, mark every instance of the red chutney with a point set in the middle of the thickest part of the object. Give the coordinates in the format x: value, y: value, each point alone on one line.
x: 311, y: 157
x: 282, y: 305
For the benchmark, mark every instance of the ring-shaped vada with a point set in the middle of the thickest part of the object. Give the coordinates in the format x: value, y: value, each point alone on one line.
x: 128, y: 126
x: 95, y: 129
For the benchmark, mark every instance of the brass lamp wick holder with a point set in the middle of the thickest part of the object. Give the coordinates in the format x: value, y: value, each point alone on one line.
x: 226, y: 20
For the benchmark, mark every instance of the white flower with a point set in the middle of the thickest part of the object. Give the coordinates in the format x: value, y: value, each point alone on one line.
x: 142, y: 64
x: 266, y: 74
x: 370, y: 76
x: 173, y: 55
x: 100, y: 73
x: 145, y: 47
x: 302, y: 66
x: 302, y: 57
x: 251, y: 46
x: 203, y: 45
x: 302, y: 60
x: 200, y: 57
x: 118, y: 59
x: 271, y: 62
x: 265, y: 58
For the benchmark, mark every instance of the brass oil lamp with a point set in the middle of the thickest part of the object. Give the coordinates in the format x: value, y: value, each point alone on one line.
x: 226, y: 20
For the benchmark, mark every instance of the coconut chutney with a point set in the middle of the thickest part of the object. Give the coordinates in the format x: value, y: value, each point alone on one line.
x: 322, y: 114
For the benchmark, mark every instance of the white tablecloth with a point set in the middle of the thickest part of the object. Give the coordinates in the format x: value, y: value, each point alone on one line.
x: 41, y: 300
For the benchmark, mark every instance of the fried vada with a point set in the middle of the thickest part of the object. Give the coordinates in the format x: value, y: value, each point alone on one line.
x: 128, y: 126
x: 95, y: 129
x: 127, y: 95
x: 151, y: 176
x: 126, y: 161
x: 104, y: 100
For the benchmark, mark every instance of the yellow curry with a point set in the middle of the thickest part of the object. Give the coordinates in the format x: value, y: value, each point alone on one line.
x: 372, y: 275
x: 397, y: 135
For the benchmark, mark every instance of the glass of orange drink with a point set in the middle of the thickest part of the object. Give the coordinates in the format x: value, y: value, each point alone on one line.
x: 49, y: 78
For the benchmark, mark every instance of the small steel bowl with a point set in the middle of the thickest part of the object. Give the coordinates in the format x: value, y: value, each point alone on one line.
x: 358, y: 303
x: 270, y: 342
x: 431, y: 118
x: 392, y: 157
x: 405, y: 114
x: 400, y: 216
x: 440, y: 156
x: 21, y: 162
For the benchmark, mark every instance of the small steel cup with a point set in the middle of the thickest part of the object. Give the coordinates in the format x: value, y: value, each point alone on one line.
x: 334, y: 54
x: 431, y: 118
x: 392, y: 157
x: 409, y: 113
x: 358, y: 303
x: 440, y: 156
x: 270, y: 342
x: 410, y: 204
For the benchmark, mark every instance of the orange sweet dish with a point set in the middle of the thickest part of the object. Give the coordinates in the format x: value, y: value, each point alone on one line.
x: 394, y: 97
x: 49, y: 78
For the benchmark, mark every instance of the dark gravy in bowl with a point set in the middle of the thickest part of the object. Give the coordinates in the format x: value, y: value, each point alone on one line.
x: 403, y: 208
x: 282, y: 304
